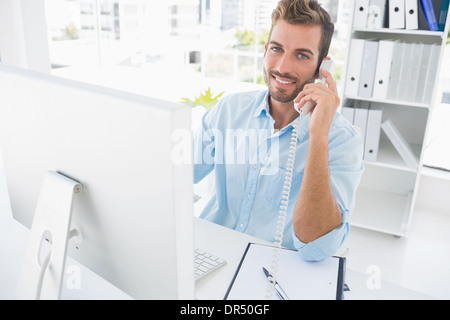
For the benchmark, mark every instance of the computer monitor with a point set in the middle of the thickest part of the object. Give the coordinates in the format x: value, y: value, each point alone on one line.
x: 135, y: 212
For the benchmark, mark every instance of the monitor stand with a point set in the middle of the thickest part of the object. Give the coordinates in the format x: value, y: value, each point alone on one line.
x: 43, y: 267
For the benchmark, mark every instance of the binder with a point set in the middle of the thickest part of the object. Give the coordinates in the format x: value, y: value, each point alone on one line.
x: 423, y: 24
x: 348, y: 113
x: 423, y: 72
x: 368, y: 69
x: 412, y: 16
x: 400, y: 144
x: 412, y: 78
x: 383, y: 70
x: 396, y: 66
x: 360, y: 118
x: 377, y: 15
x: 430, y: 14
x: 443, y: 14
x: 431, y: 73
x: 301, y: 280
x: 360, y: 13
x: 396, y: 14
x: 354, y: 67
x: 404, y: 71
x: 373, y: 131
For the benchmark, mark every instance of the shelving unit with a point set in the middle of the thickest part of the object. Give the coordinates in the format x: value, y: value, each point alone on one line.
x: 386, y: 196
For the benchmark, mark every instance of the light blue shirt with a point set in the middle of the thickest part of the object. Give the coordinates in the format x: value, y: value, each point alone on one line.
x: 237, y: 140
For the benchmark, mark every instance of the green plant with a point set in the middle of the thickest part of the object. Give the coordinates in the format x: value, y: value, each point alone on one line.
x: 206, y: 99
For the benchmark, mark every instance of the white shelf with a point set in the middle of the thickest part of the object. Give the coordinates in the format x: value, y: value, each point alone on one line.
x: 439, y: 34
x: 393, y: 102
x: 389, y: 157
x: 382, y: 211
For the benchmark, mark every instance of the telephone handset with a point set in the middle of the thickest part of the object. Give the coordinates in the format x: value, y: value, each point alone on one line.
x: 329, y: 66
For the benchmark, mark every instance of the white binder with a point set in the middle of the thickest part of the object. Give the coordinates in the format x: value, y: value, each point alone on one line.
x: 373, y: 131
x: 368, y: 69
x: 411, y: 15
x: 400, y: 144
x: 431, y: 74
x: 360, y: 15
x: 396, y: 14
x: 377, y: 14
x: 396, y: 67
x: 383, y: 71
x: 354, y: 67
x: 423, y: 71
x: 412, y: 78
x: 348, y: 113
x: 404, y: 72
x: 360, y: 119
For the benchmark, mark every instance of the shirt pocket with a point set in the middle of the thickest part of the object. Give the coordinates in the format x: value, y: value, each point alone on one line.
x: 276, y: 187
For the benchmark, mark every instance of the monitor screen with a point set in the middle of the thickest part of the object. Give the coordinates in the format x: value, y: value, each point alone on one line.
x: 129, y: 152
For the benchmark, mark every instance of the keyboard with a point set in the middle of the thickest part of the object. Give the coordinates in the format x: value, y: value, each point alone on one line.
x: 206, y: 263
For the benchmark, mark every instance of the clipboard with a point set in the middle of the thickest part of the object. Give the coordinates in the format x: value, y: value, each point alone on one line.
x: 301, y: 280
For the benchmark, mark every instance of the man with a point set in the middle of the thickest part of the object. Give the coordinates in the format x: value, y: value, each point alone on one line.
x: 246, y: 140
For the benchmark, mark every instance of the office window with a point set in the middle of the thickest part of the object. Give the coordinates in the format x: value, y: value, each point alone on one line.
x: 72, y: 32
x: 221, y: 41
x: 227, y: 35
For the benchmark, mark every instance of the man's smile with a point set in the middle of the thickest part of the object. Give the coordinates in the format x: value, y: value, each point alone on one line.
x: 283, y: 82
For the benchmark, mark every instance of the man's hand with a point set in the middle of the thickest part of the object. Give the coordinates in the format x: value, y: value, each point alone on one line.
x: 327, y: 100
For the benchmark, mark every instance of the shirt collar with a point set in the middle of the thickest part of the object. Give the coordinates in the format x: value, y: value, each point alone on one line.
x: 262, y: 106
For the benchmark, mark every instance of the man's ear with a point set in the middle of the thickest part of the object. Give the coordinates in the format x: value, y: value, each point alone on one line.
x: 265, y: 48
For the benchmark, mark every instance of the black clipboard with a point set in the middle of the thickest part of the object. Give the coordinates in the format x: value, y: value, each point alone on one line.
x: 250, y: 267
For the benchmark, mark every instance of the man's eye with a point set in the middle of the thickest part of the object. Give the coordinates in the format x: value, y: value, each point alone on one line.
x: 302, y: 56
x: 276, y: 49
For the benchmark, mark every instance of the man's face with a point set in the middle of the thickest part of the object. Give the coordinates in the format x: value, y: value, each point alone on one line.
x: 291, y: 59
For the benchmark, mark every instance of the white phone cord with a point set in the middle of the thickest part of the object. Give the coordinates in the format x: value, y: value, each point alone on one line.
x: 283, y: 207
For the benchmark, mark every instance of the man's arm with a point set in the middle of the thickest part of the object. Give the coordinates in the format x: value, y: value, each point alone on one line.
x: 317, y: 212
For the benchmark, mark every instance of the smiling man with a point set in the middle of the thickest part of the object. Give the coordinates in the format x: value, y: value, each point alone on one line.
x: 246, y: 138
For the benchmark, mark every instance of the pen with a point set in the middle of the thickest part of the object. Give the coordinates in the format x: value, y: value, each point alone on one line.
x: 280, y: 292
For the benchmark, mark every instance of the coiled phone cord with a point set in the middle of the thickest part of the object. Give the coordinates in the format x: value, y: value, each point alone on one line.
x: 284, y: 205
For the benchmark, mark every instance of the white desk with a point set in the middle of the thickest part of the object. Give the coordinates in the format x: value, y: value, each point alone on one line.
x: 221, y: 241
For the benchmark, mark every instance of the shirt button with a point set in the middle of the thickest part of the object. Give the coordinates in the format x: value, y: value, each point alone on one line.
x: 255, y: 167
x: 242, y: 225
x: 249, y: 196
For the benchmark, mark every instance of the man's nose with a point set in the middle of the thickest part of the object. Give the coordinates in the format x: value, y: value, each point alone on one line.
x: 284, y: 65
